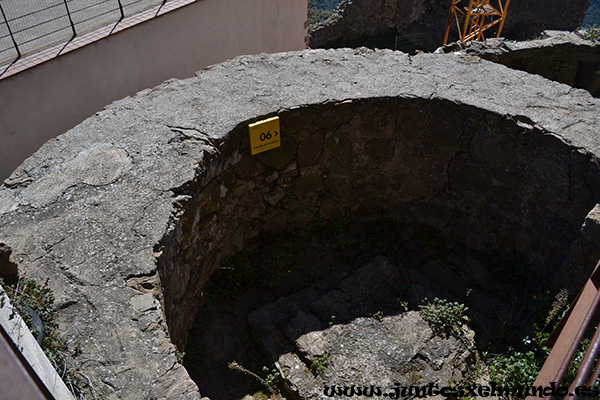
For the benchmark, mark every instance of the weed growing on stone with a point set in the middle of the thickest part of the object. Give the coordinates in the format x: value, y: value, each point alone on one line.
x: 319, y: 364
x: 180, y: 356
x: 272, y: 389
x: 520, y: 367
x: 31, y: 299
x: 273, y: 377
x: 444, y: 316
x: 516, y: 368
x: 378, y: 316
x: 475, y: 370
x: 591, y: 33
x: 558, y: 308
x: 402, y: 305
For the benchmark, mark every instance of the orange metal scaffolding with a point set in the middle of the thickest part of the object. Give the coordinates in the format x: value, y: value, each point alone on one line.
x: 478, y: 17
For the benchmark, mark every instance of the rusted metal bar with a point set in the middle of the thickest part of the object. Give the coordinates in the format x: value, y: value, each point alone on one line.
x: 478, y: 29
x: 595, y: 374
x: 17, y: 379
x: 584, y: 370
x: 476, y: 15
x: 504, y: 10
x: 467, y: 19
x: 450, y: 15
x: 566, y: 337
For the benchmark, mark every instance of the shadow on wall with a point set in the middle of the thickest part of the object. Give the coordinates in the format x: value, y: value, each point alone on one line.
x: 405, y: 43
x: 489, y: 181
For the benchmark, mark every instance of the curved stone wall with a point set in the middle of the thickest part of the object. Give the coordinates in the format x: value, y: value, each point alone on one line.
x: 128, y: 214
x: 558, y: 55
x: 490, y: 181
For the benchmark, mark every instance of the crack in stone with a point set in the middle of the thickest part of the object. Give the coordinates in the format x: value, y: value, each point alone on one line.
x: 189, y: 133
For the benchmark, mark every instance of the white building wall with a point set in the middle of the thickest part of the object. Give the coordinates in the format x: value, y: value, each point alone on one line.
x: 44, y: 101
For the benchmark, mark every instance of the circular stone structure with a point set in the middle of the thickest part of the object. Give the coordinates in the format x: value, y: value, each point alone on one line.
x: 128, y: 214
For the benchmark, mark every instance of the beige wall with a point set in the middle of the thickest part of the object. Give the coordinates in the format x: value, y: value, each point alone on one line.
x: 47, y: 100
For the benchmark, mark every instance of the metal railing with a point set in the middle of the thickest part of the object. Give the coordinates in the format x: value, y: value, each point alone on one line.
x: 29, y: 26
x: 566, y: 337
x: 18, y: 373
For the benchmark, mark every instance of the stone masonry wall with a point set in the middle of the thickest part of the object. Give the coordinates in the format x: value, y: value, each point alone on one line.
x: 494, y: 182
x: 128, y: 214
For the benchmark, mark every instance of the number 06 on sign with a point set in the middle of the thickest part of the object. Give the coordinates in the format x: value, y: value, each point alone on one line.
x: 264, y: 135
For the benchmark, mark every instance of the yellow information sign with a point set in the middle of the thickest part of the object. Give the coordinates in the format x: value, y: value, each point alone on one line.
x: 264, y: 135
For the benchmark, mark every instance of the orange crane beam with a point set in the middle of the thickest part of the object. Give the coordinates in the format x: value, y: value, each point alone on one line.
x: 479, y: 16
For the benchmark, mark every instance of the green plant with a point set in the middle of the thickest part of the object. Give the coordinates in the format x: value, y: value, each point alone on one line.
x: 475, y: 371
x: 591, y: 33
x: 378, y: 316
x: 180, y: 356
x: 444, y: 316
x: 403, y: 305
x: 273, y: 376
x: 514, y: 369
x: 318, y: 16
x: 324, y: 4
x: 268, y: 385
x: 519, y: 368
x: 320, y: 363
x: 559, y: 306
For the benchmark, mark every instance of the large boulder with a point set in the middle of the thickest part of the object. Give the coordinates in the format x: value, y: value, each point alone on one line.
x: 562, y: 56
x: 127, y: 215
x: 320, y: 343
x: 420, y: 24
